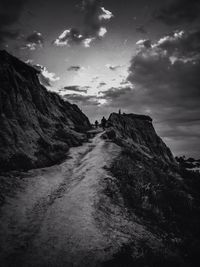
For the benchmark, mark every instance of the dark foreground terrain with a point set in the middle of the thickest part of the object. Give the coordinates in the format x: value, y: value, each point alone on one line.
x: 115, y: 201
x: 163, y: 196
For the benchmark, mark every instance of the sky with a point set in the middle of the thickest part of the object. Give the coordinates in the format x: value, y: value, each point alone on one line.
x: 104, y: 55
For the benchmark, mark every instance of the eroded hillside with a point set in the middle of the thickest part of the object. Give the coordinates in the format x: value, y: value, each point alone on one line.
x: 37, y: 127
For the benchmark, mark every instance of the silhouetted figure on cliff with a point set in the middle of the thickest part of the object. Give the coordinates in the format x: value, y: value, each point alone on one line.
x: 103, y: 123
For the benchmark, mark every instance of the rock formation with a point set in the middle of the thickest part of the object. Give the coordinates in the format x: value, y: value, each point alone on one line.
x: 37, y: 127
x: 137, y: 132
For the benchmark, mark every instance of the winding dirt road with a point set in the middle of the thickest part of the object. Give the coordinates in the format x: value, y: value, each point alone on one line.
x: 51, y: 220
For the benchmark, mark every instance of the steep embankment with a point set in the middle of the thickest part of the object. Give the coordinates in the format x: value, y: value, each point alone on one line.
x: 36, y: 126
x: 156, y: 193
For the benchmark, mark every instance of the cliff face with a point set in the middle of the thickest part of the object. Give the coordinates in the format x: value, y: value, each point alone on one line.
x: 137, y: 132
x: 157, y: 194
x: 37, y: 127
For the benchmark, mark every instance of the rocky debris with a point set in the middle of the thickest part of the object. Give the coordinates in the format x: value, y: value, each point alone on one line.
x: 155, y: 192
x: 37, y: 127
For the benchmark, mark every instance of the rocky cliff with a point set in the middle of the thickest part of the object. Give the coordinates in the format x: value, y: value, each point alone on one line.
x: 37, y: 127
x: 137, y: 132
x: 156, y: 194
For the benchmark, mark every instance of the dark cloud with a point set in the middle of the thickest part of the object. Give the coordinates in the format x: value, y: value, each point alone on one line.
x: 101, y: 84
x: 91, y: 20
x: 10, y: 12
x: 74, y: 68
x: 125, y: 83
x: 35, y: 39
x: 95, y: 14
x: 113, y: 67
x: 181, y: 44
x: 76, y: 88
x: 95, y: 17
x: 145, y: 43
x: 168, y: 64
x: 82, y: 100
x: 113, y: 94
x: 141, y: 29
x: 179, y: 11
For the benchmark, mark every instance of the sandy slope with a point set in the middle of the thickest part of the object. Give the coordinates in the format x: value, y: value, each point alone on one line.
x: 52, y: 220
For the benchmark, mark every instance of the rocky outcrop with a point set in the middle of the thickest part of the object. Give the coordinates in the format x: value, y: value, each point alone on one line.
x: 156, y: 194
x: 137, y: 132
x: 37, y: 127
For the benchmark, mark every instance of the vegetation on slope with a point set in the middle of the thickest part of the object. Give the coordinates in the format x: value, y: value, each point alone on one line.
x: 164, y: 196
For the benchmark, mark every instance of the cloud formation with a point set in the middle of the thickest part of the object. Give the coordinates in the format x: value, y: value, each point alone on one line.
x: 106, y: 14
x: 10, y: 12
x: 141, y: 29
x: 179, y: 11
x: 74, y: 68
x: 95, y: 17
x: 68, y: 37
x: 113, y: 67
x: 182, y: 45
x: 76, y: 88
x: 111, y: 95
x: 101, y: 84
x: 34, y: 40
x: 46, y: 78
x: 164, y: 81
x: 146, y: 43
x: 82, y: 100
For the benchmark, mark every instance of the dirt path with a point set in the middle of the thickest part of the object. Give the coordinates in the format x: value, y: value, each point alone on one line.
x: 51, y: 219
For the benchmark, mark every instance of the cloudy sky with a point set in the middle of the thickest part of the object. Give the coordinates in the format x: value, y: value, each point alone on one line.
x: 140, y: 56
